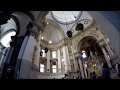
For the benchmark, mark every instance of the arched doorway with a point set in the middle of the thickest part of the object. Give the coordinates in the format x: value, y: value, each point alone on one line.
x: 91, y: 55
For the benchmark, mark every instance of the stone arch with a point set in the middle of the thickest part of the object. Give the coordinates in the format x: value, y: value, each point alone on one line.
x: 93, y: 54
x: 81, y: 41
x: 78, y: 41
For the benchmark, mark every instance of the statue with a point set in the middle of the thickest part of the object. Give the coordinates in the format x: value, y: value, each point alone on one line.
x: 91, y: 54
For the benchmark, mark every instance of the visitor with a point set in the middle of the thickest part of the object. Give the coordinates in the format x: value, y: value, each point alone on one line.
x: 91, y: 75
x: 78, y: 77
x: 81, y: 77
x: 118, y: 69
x: 73, y: 77
x: 94, y: 75
x: 106, y: 71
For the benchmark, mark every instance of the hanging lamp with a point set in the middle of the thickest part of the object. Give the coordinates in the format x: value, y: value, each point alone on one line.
x: 79, y: 26
x: 69, y: 32
x: 46, y: 49
x: 41, y: 53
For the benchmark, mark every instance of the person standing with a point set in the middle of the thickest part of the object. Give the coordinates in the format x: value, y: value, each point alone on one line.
x: 94, y: 75
x: 106, y: 72
x: 91, y: 75
x: 116, y: 67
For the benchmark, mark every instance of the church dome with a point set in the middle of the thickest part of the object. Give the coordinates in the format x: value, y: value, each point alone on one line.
x: 64, y: 17
x: 52, y: 32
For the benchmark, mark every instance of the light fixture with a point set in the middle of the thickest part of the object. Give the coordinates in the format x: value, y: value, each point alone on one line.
x: 83, y: 51
x: 85, y: 65
x: 62, y: 60
x: 41, y: 53
x: 46, y: 49
x: 94, y: 66
x: 79, y: 27
x: 49, y: 35
x: 69, y: 34
x: 83, y: 54
x: 42, y: 38
x: 50, y: 41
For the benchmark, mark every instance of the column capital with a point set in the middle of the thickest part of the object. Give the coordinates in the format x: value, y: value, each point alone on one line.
x: 33, y: 29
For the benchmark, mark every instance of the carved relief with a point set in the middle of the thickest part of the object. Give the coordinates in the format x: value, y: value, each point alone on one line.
x: 91, y: 32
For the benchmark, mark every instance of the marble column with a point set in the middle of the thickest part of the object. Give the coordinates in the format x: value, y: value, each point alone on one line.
x: 65, y: 58
x: 48, y: 61
x: 25, y: 69
x: 109, y: 49
x: 68, y: 58
x: 106, y: 57
x: 59, y: 61
x: 85, y: 70
x: 75, y: 64
x: 27, y: 52
x: 37, y: 53
x: 81, y: 68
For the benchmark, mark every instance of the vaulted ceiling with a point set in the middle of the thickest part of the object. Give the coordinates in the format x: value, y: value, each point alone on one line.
x: 113, y: 17
x: 64, y: 20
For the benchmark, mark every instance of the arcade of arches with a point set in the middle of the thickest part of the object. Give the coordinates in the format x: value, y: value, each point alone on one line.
x: 44, y: 51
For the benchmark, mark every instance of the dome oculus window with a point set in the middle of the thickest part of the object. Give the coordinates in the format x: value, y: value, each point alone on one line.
x: 64, y: 17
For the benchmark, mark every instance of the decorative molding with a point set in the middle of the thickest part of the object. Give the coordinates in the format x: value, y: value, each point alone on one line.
x: 33, y: 29
x: 93, y: 31
x: 55, y: 45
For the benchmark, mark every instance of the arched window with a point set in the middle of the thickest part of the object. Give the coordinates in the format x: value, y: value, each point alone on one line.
x: 54, y: 67
x: 54, y: 54
x: 42, y: 66
x: 43, y: 54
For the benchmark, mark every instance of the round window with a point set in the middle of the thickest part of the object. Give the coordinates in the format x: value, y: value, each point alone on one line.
x: 66, y: 16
